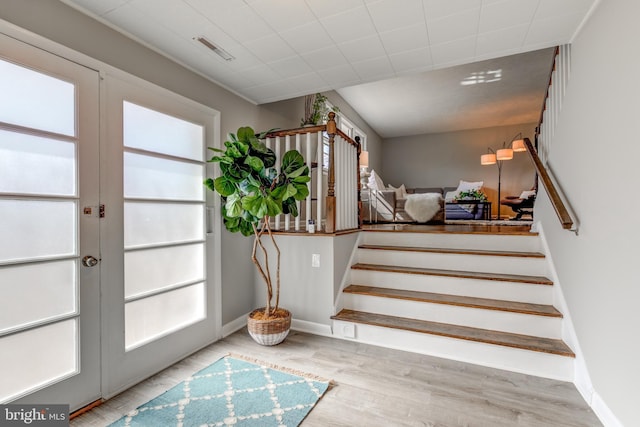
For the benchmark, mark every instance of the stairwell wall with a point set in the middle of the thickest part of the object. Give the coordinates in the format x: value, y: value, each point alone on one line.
x: 593, y: 156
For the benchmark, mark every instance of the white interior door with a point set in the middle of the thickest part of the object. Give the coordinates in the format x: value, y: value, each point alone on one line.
x: 159, y: 300
x: 49, y: 182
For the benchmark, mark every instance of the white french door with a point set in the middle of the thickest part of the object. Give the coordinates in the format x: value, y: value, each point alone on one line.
x: 159, y: 300
x: 49, y: 297
x: 109, y: 269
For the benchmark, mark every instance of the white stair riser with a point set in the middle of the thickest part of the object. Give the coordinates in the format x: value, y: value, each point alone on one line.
x: 462, y: 262
x: 455, y: 241
x: 494, y: 356
x: 517, y: 323
x: 494, y: 289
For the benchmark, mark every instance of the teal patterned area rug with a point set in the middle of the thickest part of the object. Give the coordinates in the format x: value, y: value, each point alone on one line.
x: 232, y: 392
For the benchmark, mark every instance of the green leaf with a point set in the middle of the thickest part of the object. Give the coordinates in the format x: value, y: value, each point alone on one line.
x: 250, y: 185
x: 300, y: 171
x: 290, y: 206
x: 246, y: 134
x: 233, y: 205
x: 224, y: 186
x: 255, y: 204
x: 291, y: 162
x: 273, y: 207
x: 209, y: 184
x: 278, y: 192
x: 245, y: 228
x: 290, y: 191
x: 302, y: 191
x: 302, y: 179
x: 255, y: 163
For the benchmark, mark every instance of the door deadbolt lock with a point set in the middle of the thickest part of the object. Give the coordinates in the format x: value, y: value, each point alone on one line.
x: 89, y: 261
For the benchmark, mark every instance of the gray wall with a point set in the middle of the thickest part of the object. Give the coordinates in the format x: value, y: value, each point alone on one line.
x: 443, y: 159
x: 594, y: 156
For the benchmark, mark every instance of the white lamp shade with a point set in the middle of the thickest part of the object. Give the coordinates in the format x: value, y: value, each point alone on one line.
x: 364, y: 159
x: 488, y: 159
x: 518, y: 146
x: 504, y: 154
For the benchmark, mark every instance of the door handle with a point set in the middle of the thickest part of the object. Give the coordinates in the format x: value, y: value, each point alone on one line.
x: 89, y: 261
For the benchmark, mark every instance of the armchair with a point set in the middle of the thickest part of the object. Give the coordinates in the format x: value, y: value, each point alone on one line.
x: 522, y: 204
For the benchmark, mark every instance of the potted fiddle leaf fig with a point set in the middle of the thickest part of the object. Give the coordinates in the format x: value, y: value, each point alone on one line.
x: 253, y: 191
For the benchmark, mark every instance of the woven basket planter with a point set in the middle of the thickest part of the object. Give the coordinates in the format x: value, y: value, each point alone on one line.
x: 268, y: 332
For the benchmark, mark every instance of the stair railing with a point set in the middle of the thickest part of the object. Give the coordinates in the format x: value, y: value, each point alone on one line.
x: 336, y: 200
x: 558, y: 80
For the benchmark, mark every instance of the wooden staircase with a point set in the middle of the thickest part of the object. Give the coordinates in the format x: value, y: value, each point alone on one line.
x: 476, y: 297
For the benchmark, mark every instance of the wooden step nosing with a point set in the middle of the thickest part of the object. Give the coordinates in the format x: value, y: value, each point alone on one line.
x: 478, y: 305
x: 514, y: 278
x: 454, y: 251
x: 457, y: 336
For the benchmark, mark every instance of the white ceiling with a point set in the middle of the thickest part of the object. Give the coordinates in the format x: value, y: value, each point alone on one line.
x: 289, y: 48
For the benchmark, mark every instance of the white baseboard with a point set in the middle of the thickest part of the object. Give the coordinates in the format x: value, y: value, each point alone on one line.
x: 234, y: 325
x: 296, y: 324
x: 603, y: 412
x: 311, y: 327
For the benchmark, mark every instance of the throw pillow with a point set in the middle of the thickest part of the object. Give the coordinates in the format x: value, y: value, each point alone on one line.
x: 401, y: 192
x: 451, y: 196
x: 467, y: 185
x: 375, y: 182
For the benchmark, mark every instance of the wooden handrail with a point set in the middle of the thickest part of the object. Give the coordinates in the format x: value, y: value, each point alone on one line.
x: 554, y: 196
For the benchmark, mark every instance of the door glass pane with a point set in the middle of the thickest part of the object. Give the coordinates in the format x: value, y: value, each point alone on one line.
x: 158, y: 223
x: 32, y: 359
x: 36, y: 165
x: 151, y: 270
x: 37, y: 229
x: 36, y: 100
x: 168, y: 135
x: 152, y: 317
x: 154, y: 178
x: 37, y: 292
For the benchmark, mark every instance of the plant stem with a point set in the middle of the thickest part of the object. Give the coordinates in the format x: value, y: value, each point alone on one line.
x: 265, y: 275
x: 277, y: 265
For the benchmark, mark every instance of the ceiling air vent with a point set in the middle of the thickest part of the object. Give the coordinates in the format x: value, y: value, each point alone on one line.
x: 217, y: 50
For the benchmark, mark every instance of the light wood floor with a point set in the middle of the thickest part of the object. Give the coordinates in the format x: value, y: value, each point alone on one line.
x: 382, y: 387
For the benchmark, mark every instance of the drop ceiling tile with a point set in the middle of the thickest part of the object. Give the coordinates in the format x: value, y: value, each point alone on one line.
x: 98, y: 7
x: 290, y: 67
x: 411, y: 61
x: 548, y: 8
x: 262, y: 74
x: 270, y: 48
x: 241, y: 23
x: 178, y: 17
x: 454, y: 52
x: 453, y: 27
x: 322, y: 59
x: 506, y: 13
x: 404, y: 39
x: 135, y: 23
x: 352, y: 24
x: 505, y: 39
x: 388, y: 14
x: 324, y: 8
x: 436, y: 9
x: 553, y: 30
x: 272, y: 13
x: 340, y: 76
x: 361, y: 49
x: 308, y: 37
x: 374, y: 69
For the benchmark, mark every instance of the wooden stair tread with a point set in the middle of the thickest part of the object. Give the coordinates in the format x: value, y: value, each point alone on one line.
x: 538, y: 280
x: 457, y: 300
x: 454, y: 251
x: 526, y: 342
